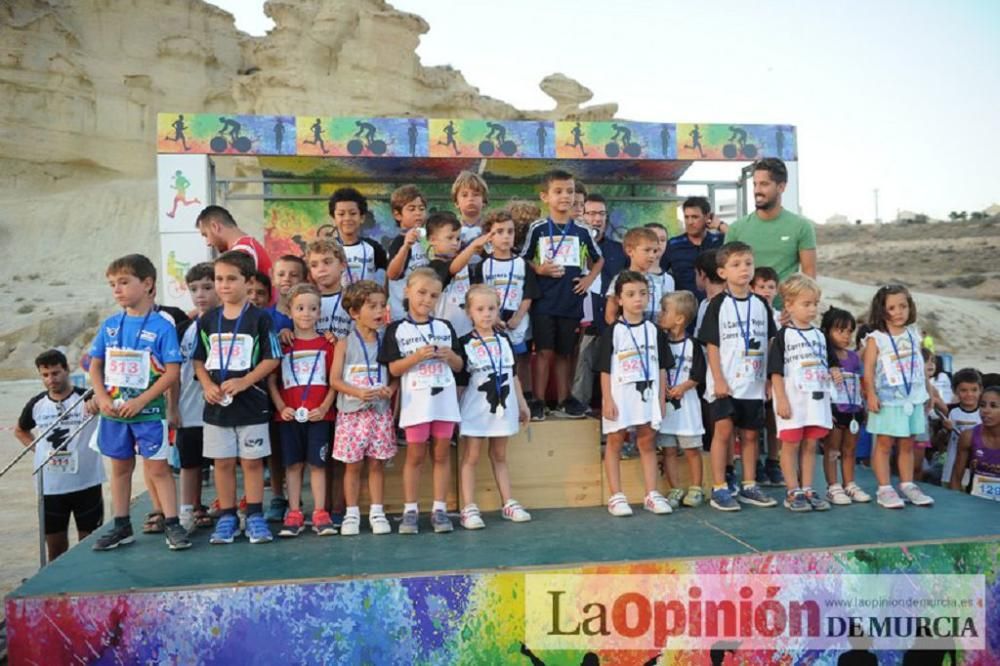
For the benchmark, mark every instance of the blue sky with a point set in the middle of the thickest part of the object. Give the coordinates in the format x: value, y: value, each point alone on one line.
x: 894, y: 94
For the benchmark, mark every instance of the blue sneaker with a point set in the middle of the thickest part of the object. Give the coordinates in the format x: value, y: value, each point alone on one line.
x: 337, y: 519
x: 227, y: 528
x: 755, y: 496
x: 257, y: 529
x: 732, y: 483
x: 796, y: 501
x: 723, y: 500
x: 276, y: 510
x: 772, y: 468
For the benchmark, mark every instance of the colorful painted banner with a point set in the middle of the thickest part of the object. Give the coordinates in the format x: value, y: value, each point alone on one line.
x: 451, y: 618
x: 361, y: 137
x: 736, y: 142
x: 208, y: 133
x: 614, y: 140
x: 525, y: 139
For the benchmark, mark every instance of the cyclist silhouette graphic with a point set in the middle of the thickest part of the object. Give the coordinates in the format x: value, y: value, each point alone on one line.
x: 496, y: 139
x: 233, y: 127
x: 450, y: 134
x: 411, y: 134
x: 279, y: 134
x: 695, y: 135
x: 357, y: 146
x: 577, y: 133
x: 367, y: 129
x: 497, y: 130
x: 317, y: 140
x: 623, y: 134
x: 739, y: 136
x: 230, y: 128
x: 541, y: 133
x: 179, y: 128
x: 180, y: 185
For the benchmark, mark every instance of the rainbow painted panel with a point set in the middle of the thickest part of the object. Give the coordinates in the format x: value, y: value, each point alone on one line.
x: 497, y: 139
x: 735, y: 142
x: 212, y: 134
x: 615, y: 139
x: 361, y: 137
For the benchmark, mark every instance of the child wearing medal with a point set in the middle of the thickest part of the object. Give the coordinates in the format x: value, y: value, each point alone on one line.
x: 135, y: 358
x: 365, y: 427
x: 979, y: 448
x: 424, y: 353
x: 895, y: 390
x: 799, y: 366
x: 237, y: 350
x: 840, y: 447
x: 633, y: 359
x: 303, y: 400
x: 492, y: 404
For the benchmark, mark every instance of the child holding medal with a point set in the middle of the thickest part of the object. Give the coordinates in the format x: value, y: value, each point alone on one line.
x: 848, y: 410
x: 236, y: 353
x: 365, y: 427
x: 492, y: 404
x: 799, y: 366
x: 424, y: 353
x: 896, y: 391
x: 633, y: 359
x: 303, y: 401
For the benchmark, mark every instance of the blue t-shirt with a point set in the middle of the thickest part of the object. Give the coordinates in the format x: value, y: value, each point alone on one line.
x: 573, y: 247
x: 150, y: 332
x: 615, y: 261
x: 279, y: 321
x: 680, y: 257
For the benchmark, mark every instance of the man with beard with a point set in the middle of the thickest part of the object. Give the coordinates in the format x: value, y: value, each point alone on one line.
x: 780, y: 239
x: 683, y: 250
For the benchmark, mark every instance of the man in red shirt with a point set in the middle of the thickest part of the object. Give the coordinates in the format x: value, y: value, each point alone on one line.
x: 220, y: 231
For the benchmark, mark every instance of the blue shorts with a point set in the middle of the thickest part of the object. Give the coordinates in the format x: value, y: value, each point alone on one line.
x: 892, y: 421
x: 302, y: 442
x: 121, y: 440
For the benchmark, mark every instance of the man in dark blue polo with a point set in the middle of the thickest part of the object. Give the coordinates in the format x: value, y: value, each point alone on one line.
x: 682, y: 250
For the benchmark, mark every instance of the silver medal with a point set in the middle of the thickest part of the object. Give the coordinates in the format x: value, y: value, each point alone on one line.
x: 301, y: 414
x: 118, y: 403
x: 645, y: 394
x: 854, y: 427
x: 226, y: 400
x: 500, y: 412
x: 908, y: 409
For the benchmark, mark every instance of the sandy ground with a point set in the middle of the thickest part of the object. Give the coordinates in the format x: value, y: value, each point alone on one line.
x: 19, y: 512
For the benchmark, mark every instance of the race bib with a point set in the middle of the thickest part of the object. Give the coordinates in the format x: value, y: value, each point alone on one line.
x: 513, y: 294
x: 848, y: 391
x: 630, y: 369
x: 431, y: 374
x: 242, y: 348
x: 127, y: 368
x: 295, y: 368
x: 566, y: 253
x: 987, y: 487
x: 811, y: 376
x: 749, y: 368
x: 894, y: 367
x: 458, y: 288
x: 362, y: 377
x: 64, y: 462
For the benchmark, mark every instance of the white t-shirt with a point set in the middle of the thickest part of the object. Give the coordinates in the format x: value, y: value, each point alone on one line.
x: 801, y: 358
x: 486, y: 389
x: 417, y: 258
x: 191, y: 402
x: 427, y: 390
x: 451, y: 304
x: 366, y: 260
x: 633, y: 355
x: 702, y: 309
x: 741, y: 329
x: 466, y: 235
x: 683, y: 417
x: 332, y: 315
x: 78, y: 467
x: 962, y: 420
x: 899, y: 369
x: 513, y: 282
x: 659, y: 285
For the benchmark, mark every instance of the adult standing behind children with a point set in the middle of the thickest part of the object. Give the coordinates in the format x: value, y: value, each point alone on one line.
x: 780, y: 239
x: 220, y: 231
x: 72, y: 479
x: 683, y: 250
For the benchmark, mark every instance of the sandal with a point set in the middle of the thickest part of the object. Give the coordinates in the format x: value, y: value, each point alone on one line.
x: 153, y: 524
x: 201, y: 517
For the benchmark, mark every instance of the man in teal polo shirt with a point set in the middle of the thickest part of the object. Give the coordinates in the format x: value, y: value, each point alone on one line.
x: 780, y: 239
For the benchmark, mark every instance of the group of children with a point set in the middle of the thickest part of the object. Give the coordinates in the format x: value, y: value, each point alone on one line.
x: 438, y: 332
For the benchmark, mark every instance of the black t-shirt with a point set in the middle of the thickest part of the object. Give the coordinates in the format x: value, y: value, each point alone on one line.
x: 255, y: 342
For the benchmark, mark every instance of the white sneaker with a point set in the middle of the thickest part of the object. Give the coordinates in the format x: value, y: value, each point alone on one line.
x: 889, y: 499
x: 470, y: 518
x: 618, y: 505
x: 380, y: 524
x: 186, y: 517
x: 513, y: 511
x: 835, y: 494
x: 351, y: 525
x: 657, y: 503
x: 915, y: 495
x: 856, y: 494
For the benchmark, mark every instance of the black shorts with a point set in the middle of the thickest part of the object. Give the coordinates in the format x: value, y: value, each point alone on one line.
x: 843, y: 419
x: 301, y: 442
x: 190, y: 443
x: 746, y: 414
x: 87, y: 507
x: 556, y: 333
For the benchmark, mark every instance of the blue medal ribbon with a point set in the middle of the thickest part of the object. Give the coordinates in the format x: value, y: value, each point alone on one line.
x: 510, y: 277
x: 224, y: 363
x: 907, y: 384
x: 496, y: 367
x: 378, y: 349
x: 312, y: 373
x: 553, y: 253
x: 680, y: 365
x: 642, y: 353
